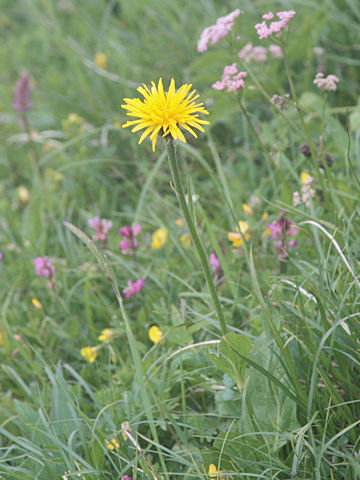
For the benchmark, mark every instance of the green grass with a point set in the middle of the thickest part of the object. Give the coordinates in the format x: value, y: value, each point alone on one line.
x: 278, y: 396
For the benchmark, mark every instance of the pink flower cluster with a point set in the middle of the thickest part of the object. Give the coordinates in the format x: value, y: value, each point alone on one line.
x: 22, y: 102
x: 280, y: 230
x: 44, y: 268
x: 328, y: 83
x: 275, y: 27
x: 101, y: 228
x: 133, y: 288
x: 306, y: 194
x: 216, y: 268
x: 129, y: 244
x: 214, y: 33
x: 258, y: 53
x: 231, y: 79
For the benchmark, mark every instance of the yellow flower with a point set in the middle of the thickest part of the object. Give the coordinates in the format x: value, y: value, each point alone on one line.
x: 213, y: 471
x: 185, y: 240
x: 265, y: 217
x: 180, y: 222
x: 75, y: 119
x: 1, y: 338
x: 247, y: 209
x: 159, y: 238
x: 101, y: 60
x: 235, y: 237
x: 304, y: 176
x: 127, y: 427
x: 37, y: 304
x: 106, y: 335
x: 23, y: 193
x: 114, y: 443
x: 164, y: 112
x: 89, y: 353
x: 155, y: 334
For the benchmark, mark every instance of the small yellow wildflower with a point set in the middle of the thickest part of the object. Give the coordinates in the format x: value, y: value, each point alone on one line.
x: 304, y: 176
x: 75, y: 119
x: 114, y: 443
x: 128, y: 428
x: 235, y: 237
x: 247, y: 209
x: 89, y: 353
x: 155, y: 334
x: 165, y: 112
x: 185, y: 240
x: 159, y: 238
x: 37, y: 304
x: 101, y: 60
x: 265, y: 217
x: 213, y: 471
x: 24, y: 194
x: 106, y: 335
x: 1, y: 338
x: 180, y: 222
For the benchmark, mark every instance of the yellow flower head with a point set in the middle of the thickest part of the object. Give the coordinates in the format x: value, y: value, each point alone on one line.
x: 159, y: 238
x: 114, y: 443
x: 235, y: 237
x: 155, y: 334
x: 180, y: 222
x: 165, y: 112
x: 1, y: 338
x: 24, y: 194
x: 213, y: 471
x: 185, y: 240
x: 101, y: 60
x: 36, y: 304
x: 106, y: 335
x: 89, y: 353
x: 303, y: 177
x: 265, y: 217
x: 247, y: 209
x: 75, y: 119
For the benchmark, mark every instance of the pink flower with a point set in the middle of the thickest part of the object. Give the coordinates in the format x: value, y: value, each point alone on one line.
x: 43, y: 267
x: 231, y: 79
x: 275, y: 51
x: 216, y: 267
x: 22, y: 102
x: 265, y: 31
x: 133, y: 288
x: 129, y: 243
x: 216, y: 32
x: 328, y: 83
x: 1, y: 255
x: 101, y: 228
x: 280, y: 230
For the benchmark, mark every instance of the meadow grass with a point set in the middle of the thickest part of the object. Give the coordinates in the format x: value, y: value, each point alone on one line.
x: 255, y: 376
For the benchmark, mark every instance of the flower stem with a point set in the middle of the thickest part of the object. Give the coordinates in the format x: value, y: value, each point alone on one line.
x: 33, y: 153
x: 170, y: 146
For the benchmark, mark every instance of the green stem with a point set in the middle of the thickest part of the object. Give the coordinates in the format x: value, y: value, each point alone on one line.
x: 33, y: 153
x: 170, y: 146
x: 302, y: 121
x: 264, y: 149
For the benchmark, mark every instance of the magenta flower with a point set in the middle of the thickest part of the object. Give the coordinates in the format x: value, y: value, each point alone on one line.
x: 216, y: 267
x: 216, y: 32
x: 129, y: 244
x: 44, y: 268
x: 231, y: 79
x: 274, y: 28
x: 126, y: 477
x: 328, y: 83
x: 280, y: 230
x: 101, y: 228
x: 22, y: 102
x: 133, y: 288
x: 1, y: 255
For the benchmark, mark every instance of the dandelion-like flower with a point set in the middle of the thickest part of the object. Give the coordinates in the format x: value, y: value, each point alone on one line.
x: 155, y: 334
x: 165, y: 112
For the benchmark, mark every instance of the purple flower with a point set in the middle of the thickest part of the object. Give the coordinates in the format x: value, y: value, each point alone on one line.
x: 280, y: 230
x: 1, y: 255
x: 129, y: 244
x: 126, y: 477
x: 22, y: 102
x: 328, y: 83
x: 216, y: 267
x: 133, y: 288
x: 43, y: 267
x: 216, y: 32
x: 101, y: 228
